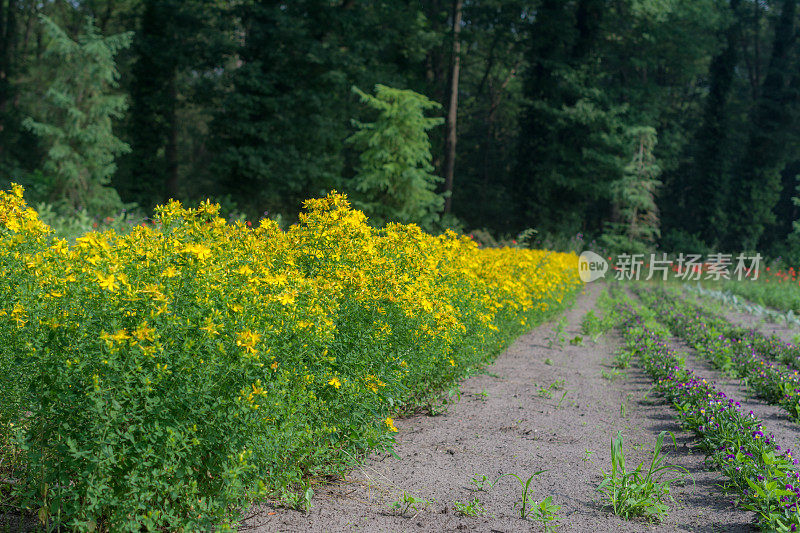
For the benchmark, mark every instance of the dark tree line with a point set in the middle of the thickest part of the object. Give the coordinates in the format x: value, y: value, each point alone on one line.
x: 544, y: 105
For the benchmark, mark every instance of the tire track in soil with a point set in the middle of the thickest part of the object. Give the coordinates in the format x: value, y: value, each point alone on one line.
x: 511, y: 429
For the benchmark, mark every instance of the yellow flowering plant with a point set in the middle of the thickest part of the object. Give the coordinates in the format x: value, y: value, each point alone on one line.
x: 163, y: 378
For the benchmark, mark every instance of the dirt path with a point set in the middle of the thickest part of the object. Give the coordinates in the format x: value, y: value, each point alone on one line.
x: 503, y: 425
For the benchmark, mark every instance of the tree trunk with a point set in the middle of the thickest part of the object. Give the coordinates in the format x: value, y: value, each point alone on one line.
x: 452, y: 109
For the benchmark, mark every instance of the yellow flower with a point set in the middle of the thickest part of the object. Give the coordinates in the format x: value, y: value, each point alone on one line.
x: 258, y: 390
x: 286, y: 298
x: 390, y: 424
x: 334, y: 381
x: 210, y: 327
x: 248, y: 340
x: 452, y: 363
x: 13, y: 225
x: 373, y: 383
x: 144, y: 333
x: 170, y: 272
x: 107, y: 282
x: 118, y: 337
x: 201, y: 252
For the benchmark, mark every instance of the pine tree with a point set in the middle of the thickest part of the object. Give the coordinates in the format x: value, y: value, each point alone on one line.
x: 756, y: 183
x: 394, y: 177
x: 75, y: 121
x: 637, y: 227
x: 178, y: 43
x: 571, y: 141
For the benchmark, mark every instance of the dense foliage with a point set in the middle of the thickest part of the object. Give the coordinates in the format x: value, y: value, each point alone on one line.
x: 160, y: 378
x: 250, y: 103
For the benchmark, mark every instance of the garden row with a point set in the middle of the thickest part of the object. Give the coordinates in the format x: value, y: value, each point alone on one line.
x: 166, y: 378
x: 768, y: 365
x: 764, y: 475
x: 729, y: 298
x: 776, y: 288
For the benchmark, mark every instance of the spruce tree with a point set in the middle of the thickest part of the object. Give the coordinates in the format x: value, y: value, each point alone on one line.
x: 75, y: 120
x: 637, y: 226
x: 756, y: 183
x: 394, y: 177
x: 571, y: 143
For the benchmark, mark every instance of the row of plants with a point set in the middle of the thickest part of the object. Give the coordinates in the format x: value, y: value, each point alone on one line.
x: 764, y: 475
x: 728, y: 298
x: 768, y: 366
x: 774, y: 288
x: 167, y: 377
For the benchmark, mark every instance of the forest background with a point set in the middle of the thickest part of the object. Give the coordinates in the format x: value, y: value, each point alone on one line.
x: 616, y: 124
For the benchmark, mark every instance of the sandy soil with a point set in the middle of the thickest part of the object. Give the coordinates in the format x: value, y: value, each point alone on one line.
x: 504, y: 425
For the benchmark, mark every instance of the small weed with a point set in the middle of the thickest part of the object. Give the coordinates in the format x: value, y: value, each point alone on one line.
x: 558, y: 338
x: 453, y: 395
x: 613, y: 375
x: 561, y: 400
x: 622, y: 359
x: 483, y: 395
x: 545, y: 513
x: 548, y: 362
x: 589, y: 324
x: 639, y: 493
x: 576, y: 341
x: 483, y: 482
x: 409, y: 502
x: 594, y: 327
x: 298, y: 500
x: 587, y: 456
x: 547, y: 392
x: 525, y: 502
x: 473, y: 508
x: 439, y: 406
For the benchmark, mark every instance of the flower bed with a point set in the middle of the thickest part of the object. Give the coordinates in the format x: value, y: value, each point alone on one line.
x: 764, y: 475
x: 742, y: 353
x: 167, y: 377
